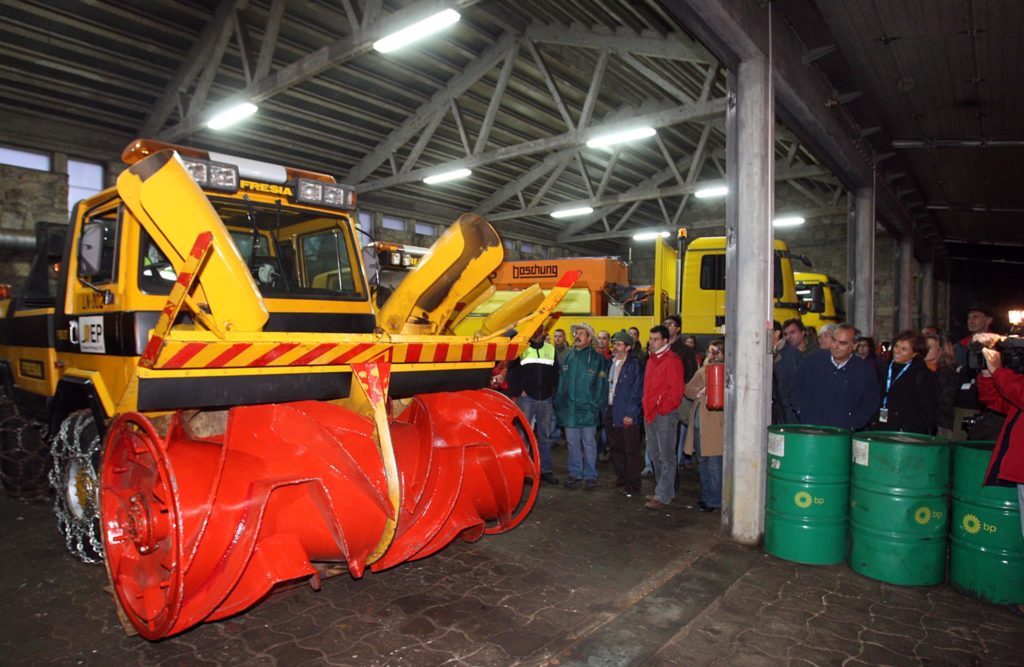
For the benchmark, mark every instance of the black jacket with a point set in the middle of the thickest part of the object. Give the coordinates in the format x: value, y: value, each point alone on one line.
x: 913, y: 399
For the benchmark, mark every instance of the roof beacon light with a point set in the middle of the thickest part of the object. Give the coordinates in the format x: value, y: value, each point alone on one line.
x: 649, y: 236
x: 231, y: 115
x: 621, y: 137
x: 416, y: 31
x: 788, y: 221
x: 712, y: 192
x: 447, y: 176
x: 572, y: 212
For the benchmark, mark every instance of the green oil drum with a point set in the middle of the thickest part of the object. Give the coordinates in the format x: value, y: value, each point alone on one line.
x: 807, y: 494
x: 986, y: 550
x: 899, y: 514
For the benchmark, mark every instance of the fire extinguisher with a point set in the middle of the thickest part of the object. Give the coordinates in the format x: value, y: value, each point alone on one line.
x: 715, y: 386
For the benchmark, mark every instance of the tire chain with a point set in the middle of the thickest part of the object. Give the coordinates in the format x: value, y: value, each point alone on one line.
x: 66, y: 448
x: 25, y: 460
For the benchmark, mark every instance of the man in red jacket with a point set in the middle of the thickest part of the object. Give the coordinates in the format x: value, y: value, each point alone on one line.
x: 1002, y: 389
x: 663, y: 391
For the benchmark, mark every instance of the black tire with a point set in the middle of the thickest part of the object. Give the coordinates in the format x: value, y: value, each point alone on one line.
x: 77, y: 451
x: 24, y: 458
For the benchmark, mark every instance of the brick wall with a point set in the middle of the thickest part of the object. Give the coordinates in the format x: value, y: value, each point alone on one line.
x: 27, y: 196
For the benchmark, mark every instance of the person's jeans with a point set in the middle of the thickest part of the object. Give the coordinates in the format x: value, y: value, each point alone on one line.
x: 538, y: 416
x: 582, y: 447
x: 710, y: 470
x: 661, y: 439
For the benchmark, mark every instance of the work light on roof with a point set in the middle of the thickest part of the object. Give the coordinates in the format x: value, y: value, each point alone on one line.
x: 788, y: 221
x: 212, y: 175
x: 320, y: 193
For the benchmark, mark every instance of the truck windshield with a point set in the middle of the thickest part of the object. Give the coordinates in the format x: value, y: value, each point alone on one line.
x: 292, y: 253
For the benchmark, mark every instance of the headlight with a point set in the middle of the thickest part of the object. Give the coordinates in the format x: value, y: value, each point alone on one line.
x: 212, y: 175
x: 324, y: 194
x: 396, y: 259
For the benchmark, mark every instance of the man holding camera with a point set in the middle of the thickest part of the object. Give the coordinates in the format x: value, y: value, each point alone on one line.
x: 979, y: 425
x: 1002, y: 389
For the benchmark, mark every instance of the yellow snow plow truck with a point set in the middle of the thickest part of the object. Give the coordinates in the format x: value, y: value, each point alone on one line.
x: 225, y: 405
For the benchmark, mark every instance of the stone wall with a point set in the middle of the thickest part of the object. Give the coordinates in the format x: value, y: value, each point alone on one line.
x: 27, y: 196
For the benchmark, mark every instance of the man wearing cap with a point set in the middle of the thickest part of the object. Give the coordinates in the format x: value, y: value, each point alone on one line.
x: 536, y: 375
x: 578, y: 400
x: 625, y: 409
x: 663, y: 392
x: 979, y: 321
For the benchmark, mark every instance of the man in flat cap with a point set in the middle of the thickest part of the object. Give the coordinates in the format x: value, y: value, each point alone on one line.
x: 581, y: 389
x: 624, y: 413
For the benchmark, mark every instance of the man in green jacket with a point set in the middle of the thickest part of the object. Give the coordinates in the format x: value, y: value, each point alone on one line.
x: 581, y: 387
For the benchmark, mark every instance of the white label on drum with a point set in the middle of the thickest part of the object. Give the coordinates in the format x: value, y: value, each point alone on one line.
x: 776, y: 464
x: 860, y: 452
x: 776, y: 444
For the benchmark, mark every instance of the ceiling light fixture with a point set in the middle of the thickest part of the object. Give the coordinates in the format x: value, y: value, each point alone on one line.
x: 455, y: 174
x: 416, y: 31
x: 572, y: 212
x: 621, y: 137
x: 649, y: 236
x: 231, y: 115
x: 788, y: 221
x: 712, y: 192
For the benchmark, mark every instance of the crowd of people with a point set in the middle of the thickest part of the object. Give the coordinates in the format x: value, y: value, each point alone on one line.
x: 647, y: 402
x: 635, y: 397
x: 921, y: 383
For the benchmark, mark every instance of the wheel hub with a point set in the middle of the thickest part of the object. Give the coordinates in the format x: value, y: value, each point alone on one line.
x: 82, y: 489
x: 146, y: 523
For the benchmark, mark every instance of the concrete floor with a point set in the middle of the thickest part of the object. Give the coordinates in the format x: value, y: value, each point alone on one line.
x: 589, y: 579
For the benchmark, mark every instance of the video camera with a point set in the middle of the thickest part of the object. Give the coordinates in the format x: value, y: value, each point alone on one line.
x: 1011, y: 348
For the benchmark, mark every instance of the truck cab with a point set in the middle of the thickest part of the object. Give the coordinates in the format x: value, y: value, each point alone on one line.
x: 822, y: 298
x: 704, y: 289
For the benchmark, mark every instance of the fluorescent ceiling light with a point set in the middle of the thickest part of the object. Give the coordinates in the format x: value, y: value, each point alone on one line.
x: 572, y: 212
x: 232, y: 115
x: 788, y: 221
x: 620, y: 137
x: 416, y: 31
x: 649, y: 236
x: 712, y: 192
x: 447, y: 176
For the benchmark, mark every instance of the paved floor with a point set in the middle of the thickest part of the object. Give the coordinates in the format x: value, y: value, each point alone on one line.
x: 589, y: 579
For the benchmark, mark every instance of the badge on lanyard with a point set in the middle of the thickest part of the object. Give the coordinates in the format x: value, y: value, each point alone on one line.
x: 883, y: 415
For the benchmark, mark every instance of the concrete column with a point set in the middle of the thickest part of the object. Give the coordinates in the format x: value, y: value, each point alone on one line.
x: 905, y: 295
x: 750, y: 135
x: 862, y: 261
x: 927, y: 295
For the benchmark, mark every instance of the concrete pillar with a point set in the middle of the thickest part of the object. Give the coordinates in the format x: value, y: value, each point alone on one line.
x: 862, y: 261
x: 750, y: 135
x: 905, y: 298
x: 927, y: 295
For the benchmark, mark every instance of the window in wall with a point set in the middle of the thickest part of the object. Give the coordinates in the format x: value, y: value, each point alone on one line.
x: 526, y: 248
x: 25, y: 159
x: 425, y: 229
x: 509, y: 244
x: 394, y: 224
x: 365, y: 221
x: 84, y: 180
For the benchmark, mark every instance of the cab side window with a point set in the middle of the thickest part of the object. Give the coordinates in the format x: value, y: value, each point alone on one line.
x: 100, y: 229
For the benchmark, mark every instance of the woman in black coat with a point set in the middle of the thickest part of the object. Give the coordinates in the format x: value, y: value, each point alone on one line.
x: 909, y: 390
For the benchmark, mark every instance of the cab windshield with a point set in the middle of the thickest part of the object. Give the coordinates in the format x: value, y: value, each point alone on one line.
x: 290, y: 252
